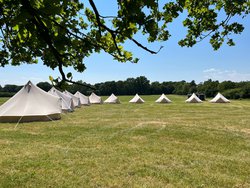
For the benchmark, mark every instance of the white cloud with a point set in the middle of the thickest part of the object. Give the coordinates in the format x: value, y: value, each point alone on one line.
x: 222, y: 75
x: 209, y: 70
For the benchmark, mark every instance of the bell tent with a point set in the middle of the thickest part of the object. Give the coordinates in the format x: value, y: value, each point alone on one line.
x: 193, y: 99
x: 84, y: 100
x: 136, y: 99
x: 219, y: 98
x: 163, y: 99
x: 95, y: 99
x: 67, y: 102
x: 112, y: 99
x: 31, y: 104
x: 76, y: 100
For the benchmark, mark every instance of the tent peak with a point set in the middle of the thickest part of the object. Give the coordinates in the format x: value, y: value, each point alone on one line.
x: 28, y: 86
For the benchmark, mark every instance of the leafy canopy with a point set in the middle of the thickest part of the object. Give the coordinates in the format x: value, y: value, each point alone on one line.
x: 63, y: 32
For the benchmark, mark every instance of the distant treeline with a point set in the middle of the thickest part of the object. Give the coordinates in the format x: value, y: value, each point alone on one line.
x: 141, y: 85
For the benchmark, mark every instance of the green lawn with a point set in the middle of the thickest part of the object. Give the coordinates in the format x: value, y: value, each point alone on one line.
x: 131, y: 145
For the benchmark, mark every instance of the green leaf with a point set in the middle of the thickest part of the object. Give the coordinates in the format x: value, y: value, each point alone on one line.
x: 69, y: 75
x: 16, y: 28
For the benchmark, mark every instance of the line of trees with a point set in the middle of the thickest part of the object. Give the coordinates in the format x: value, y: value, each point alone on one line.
x: 141, y: 85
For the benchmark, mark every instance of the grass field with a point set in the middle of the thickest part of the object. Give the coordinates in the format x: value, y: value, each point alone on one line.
x: 131, y: 145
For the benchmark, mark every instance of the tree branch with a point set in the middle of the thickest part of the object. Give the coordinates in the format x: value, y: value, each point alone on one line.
x: 112, y: 32
x: 44, y: 34
x: 145, y: 48
x: 80, y: 38
x: 225, y: 22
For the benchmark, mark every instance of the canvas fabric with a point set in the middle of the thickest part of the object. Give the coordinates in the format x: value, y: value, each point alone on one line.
x: 193, y: 99
x: 84, y: 100
x: 31, y: 104
x: 67, y: 102
x: 112, y: 99
x: 95, y: 99
x: 219, y: 98
x: 163, y: 99
x: 76, y: 100
x: 136, y: 99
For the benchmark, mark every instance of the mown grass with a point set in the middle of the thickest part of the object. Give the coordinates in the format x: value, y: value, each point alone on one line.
x: 131, y: 145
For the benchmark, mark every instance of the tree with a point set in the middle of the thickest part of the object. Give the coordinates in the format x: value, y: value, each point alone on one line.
x: 192, y: 87
x: 156, y: 88
x: 226, y: 85
x: 246, y: 90
x: 62, y: 33
x: 130, y: 87
x: 11, y: 88
x: 142, y: 85
x: 73, y: 88
x: 168, y: 87
x: 209, y: 87
x: 181, y: 88
x: 44, y: 85
x: 107, y: 88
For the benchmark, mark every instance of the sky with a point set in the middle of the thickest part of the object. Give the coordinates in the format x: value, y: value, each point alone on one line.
x: 172, y: 63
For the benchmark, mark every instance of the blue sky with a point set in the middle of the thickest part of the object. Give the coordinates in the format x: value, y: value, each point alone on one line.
x: 172, y: 63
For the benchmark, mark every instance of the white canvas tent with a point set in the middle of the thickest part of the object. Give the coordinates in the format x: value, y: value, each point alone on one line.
x: 83, y: 99
x: 76, y: 100
x: 193, y: 99
x: 219, y: 98
x: 67, y: 102
x: 31, y: 104
x: 95, y: 99
x: 112, y: 99
x: 136, y: 99
x: 163, y: 99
